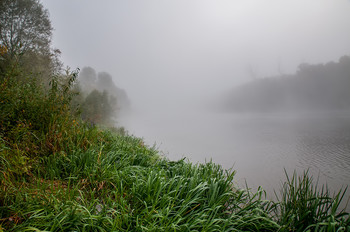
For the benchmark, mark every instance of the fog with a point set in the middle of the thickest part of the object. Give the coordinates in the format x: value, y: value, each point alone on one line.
x: 166, y: 52
x: 176, y: 59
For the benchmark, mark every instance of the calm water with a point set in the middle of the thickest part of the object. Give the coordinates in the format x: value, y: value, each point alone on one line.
x: 258, y: 146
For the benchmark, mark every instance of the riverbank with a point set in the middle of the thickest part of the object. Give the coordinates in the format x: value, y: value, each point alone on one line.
x: 58, y: 173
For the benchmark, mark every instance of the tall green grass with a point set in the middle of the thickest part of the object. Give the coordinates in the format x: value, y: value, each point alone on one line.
x: 304, y: 206
x: 150, y: 194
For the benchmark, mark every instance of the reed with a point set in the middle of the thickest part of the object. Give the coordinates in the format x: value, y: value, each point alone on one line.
x: 304, y: 206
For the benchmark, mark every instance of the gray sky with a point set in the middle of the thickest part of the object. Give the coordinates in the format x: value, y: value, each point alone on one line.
x: 165, y: 52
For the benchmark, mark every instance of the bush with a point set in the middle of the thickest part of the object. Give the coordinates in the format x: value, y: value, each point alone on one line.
x: 36, y: 121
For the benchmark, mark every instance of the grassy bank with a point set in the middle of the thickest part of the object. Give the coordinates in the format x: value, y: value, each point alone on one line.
x: 58, y: 173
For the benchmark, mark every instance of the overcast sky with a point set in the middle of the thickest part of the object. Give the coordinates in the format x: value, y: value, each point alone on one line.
x: 169, y: 51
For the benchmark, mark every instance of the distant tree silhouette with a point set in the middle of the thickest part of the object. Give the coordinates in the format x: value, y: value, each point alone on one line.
x: 102, y: 99
x: 312, y: 87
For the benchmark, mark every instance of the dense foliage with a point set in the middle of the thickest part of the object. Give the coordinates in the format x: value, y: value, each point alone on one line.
x: 35, y: 121
x: 25, y: 34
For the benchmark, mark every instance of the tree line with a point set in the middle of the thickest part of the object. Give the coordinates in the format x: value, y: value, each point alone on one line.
x: 312, y: 87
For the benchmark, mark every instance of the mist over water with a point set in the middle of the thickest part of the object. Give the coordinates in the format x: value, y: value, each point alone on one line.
x: 258, y: 146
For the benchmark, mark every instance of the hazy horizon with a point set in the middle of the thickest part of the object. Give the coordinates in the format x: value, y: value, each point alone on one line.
x: 180, y: 52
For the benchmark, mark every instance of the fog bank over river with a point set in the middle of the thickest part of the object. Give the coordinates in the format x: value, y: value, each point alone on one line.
x: 257, y: 146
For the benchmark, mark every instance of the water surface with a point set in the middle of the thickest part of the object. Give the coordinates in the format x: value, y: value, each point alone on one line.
x: 258, y: 146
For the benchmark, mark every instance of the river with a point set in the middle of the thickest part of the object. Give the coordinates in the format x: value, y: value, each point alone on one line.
x: 258, y: 146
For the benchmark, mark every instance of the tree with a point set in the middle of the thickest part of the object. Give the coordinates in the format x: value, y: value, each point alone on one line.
x: 97, y: 108
x: 87, y: 79
x: 105, y: 82
x: 25, y: 26
x: 25, y: 32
